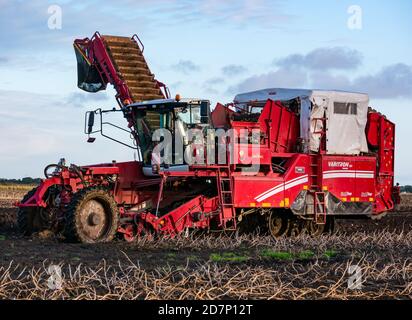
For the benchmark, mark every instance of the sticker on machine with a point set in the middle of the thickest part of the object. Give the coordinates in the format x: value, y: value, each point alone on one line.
x: 339, y: 164
x: 299, y: 169
x: 366, y: 194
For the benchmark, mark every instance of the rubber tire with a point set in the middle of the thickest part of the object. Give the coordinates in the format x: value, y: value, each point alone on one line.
x: 330, y: 227
x: 295, y: 228
x: 28, y: 218
x: 284, y: 227
x: 72, y: 228
x: 314, y: 234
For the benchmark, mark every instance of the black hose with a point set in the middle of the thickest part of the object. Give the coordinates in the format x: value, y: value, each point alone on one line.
x: 46, y: 174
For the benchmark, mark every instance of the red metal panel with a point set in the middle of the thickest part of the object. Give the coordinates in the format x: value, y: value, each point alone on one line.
x: 281, y: 126
x: 365, y: 179
x: 273, y: 190
x: 372, y: 128
x: 339, y: 176
x: 221, y: 116
x: 385, y: 181
x: 258, y: 191
x: 297, y: 178
x: 349, y: 178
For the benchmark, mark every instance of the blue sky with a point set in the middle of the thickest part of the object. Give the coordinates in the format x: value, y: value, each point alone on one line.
x: 209, y: 49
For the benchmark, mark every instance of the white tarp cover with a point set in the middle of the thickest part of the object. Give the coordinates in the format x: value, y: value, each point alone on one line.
x: 345, y: 132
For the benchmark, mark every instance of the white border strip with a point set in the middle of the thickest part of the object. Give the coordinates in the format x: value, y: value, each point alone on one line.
x: 288, y: 185
x: 280, y: 185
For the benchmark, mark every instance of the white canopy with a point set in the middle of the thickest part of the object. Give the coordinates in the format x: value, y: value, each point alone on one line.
x: 346, y: 114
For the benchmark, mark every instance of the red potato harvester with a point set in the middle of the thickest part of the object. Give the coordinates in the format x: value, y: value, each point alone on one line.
x: 315, y: 156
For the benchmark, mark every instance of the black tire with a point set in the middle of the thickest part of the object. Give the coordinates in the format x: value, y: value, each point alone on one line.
x: 330, y: 227
x: 278, y: 224
x: 315, y: 230
x: 29, y: 219
x: 92, y: 216
x: 254, y: 223
x: 295, y: 228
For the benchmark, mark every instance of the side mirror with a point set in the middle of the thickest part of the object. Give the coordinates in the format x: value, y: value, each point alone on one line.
x: 88, y: 125
x: 90, y: 122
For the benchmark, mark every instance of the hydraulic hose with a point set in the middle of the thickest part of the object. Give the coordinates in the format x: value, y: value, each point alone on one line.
x: 53, y: 165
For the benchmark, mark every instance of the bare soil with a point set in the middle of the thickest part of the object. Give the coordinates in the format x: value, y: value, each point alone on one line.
x: 213, y: 266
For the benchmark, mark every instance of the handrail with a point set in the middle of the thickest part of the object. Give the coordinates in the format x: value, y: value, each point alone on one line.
x: 138, y: 41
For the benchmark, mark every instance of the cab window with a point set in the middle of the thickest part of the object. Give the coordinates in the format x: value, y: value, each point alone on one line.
x: 190, y: 115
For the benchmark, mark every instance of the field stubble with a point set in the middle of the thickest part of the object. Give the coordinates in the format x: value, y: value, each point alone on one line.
x: 213, y: 266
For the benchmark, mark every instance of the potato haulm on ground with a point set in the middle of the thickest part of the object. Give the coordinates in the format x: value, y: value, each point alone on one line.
x: 212, y: 266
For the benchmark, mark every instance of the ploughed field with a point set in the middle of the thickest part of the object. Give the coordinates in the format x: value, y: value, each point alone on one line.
x: 213, y: 266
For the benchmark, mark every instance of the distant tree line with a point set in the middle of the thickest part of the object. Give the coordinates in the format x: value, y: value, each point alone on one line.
x: 26, y: 180
x: 406, y: 189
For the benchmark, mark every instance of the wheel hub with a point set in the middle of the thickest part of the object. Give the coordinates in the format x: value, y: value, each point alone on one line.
x: 93, y: 219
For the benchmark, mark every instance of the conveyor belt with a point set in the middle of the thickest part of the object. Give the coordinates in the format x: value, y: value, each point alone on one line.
x: 132, y: 68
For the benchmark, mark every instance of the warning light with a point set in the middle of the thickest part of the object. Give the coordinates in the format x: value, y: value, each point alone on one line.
x: 177, y: 98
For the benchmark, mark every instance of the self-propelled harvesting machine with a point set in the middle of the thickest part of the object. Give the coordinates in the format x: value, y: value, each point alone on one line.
x: 290, y: 160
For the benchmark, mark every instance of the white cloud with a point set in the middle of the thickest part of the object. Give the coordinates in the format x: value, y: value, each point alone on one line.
x: 233, y: 70
x: 281, y: 78
x: 324, y: 59
x: 185, y: 66
x: 318, y: 69
x: 393, y: 81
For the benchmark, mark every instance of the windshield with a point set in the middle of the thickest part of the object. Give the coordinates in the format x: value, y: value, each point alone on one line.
x: 190, y: 115
x: 177, y: 120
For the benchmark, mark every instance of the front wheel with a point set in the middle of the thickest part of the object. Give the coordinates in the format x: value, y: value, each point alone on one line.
x: 92, y: 216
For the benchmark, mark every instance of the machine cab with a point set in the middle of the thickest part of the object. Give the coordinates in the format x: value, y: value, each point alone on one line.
x: 177, y: 117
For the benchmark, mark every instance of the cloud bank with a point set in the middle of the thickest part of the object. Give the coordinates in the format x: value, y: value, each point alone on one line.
x: 339, y: 58
x: 318, y: 69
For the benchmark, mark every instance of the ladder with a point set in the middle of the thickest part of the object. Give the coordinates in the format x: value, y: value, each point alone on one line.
x: 320, y: 207
x: 314, y: 174
x: 225, y: 193
x: 319, y: 197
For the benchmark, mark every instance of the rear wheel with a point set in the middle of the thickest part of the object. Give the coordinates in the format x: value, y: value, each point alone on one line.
x: 31, y: 219
x: 295, y: 227
x: 278, y: 224
x: 92, y: 216
x: 316, y: 230
x: 330, y: 227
